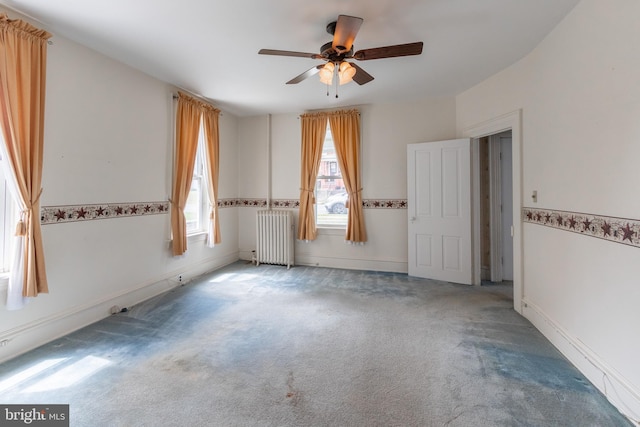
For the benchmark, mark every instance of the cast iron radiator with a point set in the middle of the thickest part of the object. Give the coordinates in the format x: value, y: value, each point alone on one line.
x: 275, y: 239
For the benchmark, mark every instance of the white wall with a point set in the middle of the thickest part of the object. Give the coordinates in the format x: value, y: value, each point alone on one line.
x: 579, y: 92
x: 386, y: 131
x: 108, y: 139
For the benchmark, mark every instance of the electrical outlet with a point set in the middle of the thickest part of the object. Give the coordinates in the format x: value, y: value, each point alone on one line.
x: 4, y: 343
x: 180, y: 278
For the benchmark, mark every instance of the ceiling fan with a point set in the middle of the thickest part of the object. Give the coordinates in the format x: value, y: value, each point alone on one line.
x: 336, y: 52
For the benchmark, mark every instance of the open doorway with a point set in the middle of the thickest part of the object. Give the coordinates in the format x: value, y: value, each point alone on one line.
x: 508, y: 122
x: 496, y: 208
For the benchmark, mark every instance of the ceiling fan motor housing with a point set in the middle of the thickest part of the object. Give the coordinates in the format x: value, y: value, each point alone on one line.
x: 334, y: 55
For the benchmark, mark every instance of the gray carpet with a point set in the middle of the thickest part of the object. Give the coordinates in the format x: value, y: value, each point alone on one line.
x: 266, y: 346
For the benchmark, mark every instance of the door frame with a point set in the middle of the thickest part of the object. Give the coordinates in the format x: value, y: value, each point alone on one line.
x: 510, y: 121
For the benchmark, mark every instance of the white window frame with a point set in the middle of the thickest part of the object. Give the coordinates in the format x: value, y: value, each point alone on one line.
x: 8, y: 217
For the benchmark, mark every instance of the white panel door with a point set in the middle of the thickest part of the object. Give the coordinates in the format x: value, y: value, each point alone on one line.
x: 439, y: 207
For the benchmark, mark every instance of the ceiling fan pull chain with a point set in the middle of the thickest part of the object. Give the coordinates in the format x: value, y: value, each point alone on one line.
x: 336, y: 78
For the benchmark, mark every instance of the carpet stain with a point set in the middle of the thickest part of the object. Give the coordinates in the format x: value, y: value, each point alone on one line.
x: 294, y: 395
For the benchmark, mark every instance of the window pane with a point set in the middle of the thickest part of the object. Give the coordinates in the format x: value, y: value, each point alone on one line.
x: 7, y: 222
x: 193, y: 207
x: 331, y: 195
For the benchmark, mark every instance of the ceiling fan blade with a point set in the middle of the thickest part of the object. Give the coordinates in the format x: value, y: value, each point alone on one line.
x: 361, y: 76
x: 289, y: 53
x: 389, y: 51
x: 346, y: 29
x: 310, y: 72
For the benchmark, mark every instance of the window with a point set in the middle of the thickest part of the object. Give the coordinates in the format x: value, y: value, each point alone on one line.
x: 331, y: 195
x: 195, y: 210
x: 333, y: 168
x: 7, y: 221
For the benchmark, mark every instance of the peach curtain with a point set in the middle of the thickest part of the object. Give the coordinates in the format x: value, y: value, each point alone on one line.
x: 314, y: 128
x: 23, y: 55
x: 345, y: 128
x: 212, y: 138
x: 187, y: 129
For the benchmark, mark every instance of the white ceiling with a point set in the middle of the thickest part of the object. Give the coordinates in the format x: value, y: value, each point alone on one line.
x: 210, y: 47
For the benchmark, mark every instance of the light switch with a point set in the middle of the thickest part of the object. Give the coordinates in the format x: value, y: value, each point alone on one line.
x: 534, y: 196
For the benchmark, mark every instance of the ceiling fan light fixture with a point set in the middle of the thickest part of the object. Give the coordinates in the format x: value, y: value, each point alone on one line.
x: 326, y: 73
x: 346, y: 72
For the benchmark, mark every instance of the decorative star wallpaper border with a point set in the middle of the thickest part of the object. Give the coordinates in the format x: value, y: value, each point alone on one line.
x: 73, y: 213
x: 295, y: 203
x: 384, y: 204
x: 618, y: 230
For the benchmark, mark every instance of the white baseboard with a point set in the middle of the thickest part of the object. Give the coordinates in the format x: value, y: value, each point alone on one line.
x: 390, y: 266
x: 31, y: 335
x: 620, y: 392
x: 353, y: 264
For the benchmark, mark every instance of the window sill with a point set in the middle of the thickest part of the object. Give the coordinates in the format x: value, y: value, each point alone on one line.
x: 199, y: 236
x: 331, y: 231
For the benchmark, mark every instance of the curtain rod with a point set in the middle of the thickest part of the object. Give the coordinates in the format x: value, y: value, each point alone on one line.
x: 26, y: 15
x: 331, y: 110
x: 323, y: 111
x: 201, y: 98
